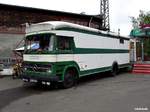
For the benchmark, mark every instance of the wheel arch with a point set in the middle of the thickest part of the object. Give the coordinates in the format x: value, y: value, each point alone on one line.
x: 115, y: 64
x: 74, y: 67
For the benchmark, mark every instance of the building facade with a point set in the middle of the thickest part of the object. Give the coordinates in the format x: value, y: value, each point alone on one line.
x: 13, y: 18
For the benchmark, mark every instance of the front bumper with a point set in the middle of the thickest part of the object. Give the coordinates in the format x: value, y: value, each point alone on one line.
x: 29, y: 77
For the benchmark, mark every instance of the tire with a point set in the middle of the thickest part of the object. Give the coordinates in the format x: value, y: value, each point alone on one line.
x: 114, y: 70
x: 69, y: 79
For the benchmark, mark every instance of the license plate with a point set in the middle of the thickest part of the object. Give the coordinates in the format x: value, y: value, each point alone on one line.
x: 33, y: 80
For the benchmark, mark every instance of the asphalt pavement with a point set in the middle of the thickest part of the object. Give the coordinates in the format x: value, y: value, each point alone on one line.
x: 100, y: 93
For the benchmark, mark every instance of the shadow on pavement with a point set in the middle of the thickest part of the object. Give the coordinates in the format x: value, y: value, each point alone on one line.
x: 99, y: 76
x: 10, y: 95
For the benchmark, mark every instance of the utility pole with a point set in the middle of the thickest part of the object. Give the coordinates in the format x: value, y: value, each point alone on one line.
x: 104, y: 11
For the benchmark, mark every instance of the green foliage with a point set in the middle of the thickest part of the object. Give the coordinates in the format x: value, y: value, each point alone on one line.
x: 134, y: 22
x: 143, y: 18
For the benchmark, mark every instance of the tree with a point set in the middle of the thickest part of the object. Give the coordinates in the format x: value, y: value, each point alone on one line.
x: 142, y: 19
x: 135, y: 23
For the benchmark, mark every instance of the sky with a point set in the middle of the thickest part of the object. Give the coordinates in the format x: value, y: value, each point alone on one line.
x: 120, y: 10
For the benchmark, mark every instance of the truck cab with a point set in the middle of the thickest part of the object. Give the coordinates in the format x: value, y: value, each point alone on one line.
x: 41, y: 59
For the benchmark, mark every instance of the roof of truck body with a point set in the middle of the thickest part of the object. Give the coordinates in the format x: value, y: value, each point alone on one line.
x: 60, y: 25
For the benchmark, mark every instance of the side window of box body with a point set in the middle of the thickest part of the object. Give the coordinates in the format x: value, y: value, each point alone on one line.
x: 121, y: 41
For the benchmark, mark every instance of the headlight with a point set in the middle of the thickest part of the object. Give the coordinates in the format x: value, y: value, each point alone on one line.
x: 25, y: 68
x: 49, y: 71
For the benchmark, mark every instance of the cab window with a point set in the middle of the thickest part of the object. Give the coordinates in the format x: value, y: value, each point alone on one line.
x: 64, y: 43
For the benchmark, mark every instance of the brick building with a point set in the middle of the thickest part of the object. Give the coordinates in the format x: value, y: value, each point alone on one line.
x: 13, y: 17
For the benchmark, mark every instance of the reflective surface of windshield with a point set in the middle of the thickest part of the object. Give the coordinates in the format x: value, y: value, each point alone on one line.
x: 40, y: 42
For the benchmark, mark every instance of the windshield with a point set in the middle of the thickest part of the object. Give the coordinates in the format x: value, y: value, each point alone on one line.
x: 39, y: 43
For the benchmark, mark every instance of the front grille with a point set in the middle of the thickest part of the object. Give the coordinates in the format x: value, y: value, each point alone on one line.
x: 37, y: 67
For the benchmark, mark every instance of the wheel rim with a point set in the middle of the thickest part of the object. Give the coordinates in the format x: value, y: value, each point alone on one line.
x: 69, y: 80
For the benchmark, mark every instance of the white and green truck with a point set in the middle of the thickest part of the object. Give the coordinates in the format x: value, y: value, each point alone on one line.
x: 62, y: 52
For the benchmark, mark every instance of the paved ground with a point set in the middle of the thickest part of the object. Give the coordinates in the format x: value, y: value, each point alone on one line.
x: 124, y: 93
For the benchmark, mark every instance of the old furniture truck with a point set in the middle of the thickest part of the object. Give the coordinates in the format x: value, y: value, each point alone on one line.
x: 64, y: 52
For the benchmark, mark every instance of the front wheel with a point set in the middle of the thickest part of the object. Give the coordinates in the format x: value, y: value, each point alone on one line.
x: 69, y: 79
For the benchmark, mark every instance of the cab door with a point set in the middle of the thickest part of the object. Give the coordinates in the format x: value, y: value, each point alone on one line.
x: 65, y: 47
